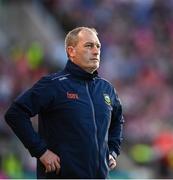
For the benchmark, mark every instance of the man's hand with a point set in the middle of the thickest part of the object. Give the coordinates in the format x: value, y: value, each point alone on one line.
x: 112, y: 162
x: 50, y: 161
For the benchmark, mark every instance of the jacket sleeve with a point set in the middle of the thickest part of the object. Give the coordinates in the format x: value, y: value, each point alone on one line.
x: 116, y: 127
x: 32, y: 102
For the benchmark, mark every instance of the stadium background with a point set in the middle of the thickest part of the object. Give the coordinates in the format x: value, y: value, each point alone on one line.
x: 137, y: 57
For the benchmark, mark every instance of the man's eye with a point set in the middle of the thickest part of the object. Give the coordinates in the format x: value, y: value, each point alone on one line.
x: 89, y: 45
x: 92, y: 45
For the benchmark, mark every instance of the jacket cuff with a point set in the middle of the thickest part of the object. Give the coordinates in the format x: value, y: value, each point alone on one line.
x: 38, y: 152
x: 114, y: 155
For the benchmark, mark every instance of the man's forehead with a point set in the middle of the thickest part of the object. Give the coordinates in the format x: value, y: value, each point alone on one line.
x: 88, y: 36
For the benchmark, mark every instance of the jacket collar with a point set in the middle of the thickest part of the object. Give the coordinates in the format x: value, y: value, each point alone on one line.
x: 78, y: 72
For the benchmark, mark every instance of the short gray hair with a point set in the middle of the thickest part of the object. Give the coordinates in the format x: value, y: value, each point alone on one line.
x: 71, y: 38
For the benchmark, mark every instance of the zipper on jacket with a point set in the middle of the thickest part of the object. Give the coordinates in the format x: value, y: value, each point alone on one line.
x: 95, y: 125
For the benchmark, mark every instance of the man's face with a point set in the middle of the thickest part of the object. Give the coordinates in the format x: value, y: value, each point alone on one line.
x: 86, y: 53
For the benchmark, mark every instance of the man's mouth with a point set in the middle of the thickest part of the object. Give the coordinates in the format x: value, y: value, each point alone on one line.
x: 94, y: 59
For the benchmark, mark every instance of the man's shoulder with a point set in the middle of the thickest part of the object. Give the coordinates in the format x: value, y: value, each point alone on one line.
x: 59, y: 76
x: 51, y: 79
x: 105, y: 81
x: 55, y: 76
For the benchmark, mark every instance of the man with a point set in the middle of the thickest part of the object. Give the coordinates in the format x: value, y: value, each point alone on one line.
x: 80, y: 115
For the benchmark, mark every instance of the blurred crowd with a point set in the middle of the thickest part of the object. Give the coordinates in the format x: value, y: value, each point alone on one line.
x: 137, y: 57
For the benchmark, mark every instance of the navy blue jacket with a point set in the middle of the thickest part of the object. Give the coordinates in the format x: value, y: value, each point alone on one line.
x: 80, y: 119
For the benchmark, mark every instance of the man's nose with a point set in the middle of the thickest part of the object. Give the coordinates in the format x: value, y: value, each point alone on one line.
x: 96, y: 50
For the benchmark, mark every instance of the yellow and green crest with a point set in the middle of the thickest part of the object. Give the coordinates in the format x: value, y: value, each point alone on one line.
x: 107, y: 99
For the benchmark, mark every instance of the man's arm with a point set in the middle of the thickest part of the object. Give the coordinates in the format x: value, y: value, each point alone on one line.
x: 115, y: 130
x: 33, y: 101
x: 19, y: 121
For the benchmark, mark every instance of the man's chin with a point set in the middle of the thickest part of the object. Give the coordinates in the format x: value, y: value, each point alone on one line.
x: 95, y: 67
x: 91, y: 68
x: 95, y: 64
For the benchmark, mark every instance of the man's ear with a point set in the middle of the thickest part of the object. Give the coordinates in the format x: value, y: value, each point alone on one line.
x: 71, y: 51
